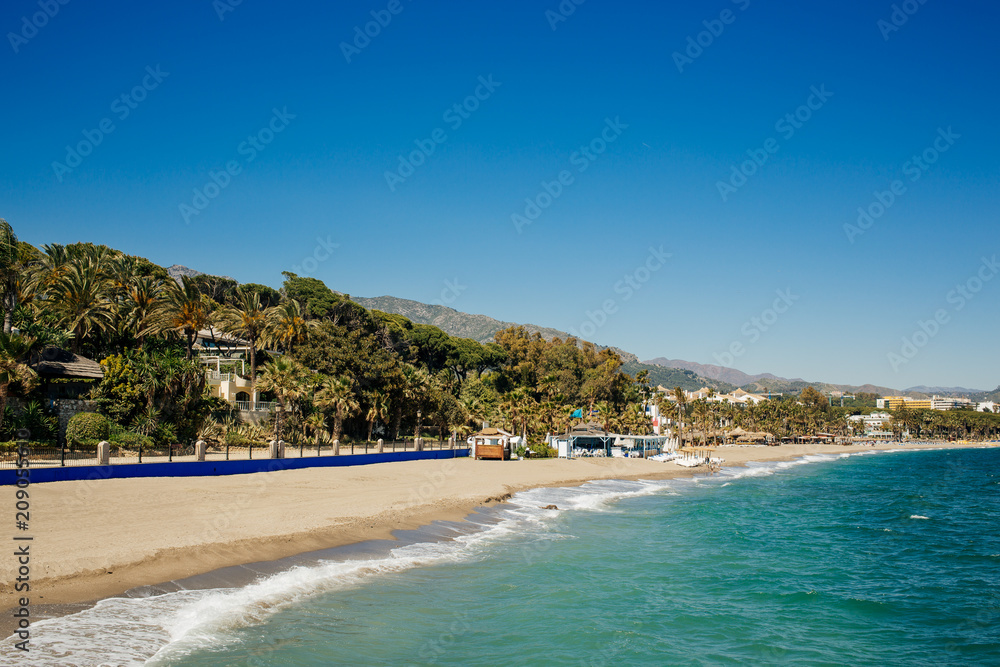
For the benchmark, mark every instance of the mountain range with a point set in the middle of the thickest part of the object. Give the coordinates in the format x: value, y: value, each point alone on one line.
x: 728, y: 375
x: 463, y: 325
x: 944, y: 391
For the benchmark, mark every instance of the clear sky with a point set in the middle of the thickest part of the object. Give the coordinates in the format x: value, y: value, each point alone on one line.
x: 122, y: 118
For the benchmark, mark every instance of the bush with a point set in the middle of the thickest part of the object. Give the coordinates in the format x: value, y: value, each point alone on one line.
x: 235, y: 439
x: 539, y: 451
x: 38, y: 421
x: 87, y: 426
x: 543, y: 451
x: 132, y: 440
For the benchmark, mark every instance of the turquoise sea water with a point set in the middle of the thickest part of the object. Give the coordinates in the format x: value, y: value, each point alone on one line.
x: 880, y: 559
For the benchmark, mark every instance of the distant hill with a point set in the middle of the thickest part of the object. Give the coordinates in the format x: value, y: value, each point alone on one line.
x: 456, y: 323
x: 945, y: 391
x: 987, y: 395
x: 721, y: 373
x: 178, y: 270
x: 765, y: 382
x: 676, y: 377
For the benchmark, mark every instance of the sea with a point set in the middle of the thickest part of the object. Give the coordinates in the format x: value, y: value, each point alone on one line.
x: 875, y: 558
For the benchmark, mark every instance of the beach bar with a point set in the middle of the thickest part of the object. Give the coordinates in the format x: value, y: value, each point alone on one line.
x: 590, y: 439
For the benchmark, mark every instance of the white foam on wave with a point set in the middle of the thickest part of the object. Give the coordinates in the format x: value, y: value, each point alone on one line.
x: 918, y: 516
x: 805, y: 460
x: 751, y: 469
x: 595, y: 496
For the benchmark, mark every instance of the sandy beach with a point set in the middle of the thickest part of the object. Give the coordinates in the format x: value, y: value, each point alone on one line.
x: 98, y: 539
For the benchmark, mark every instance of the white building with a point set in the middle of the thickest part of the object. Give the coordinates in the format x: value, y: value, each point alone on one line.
x: 940, y: 403
x: 737, y: 397
x: 872, y: 422
x: 986, y: 406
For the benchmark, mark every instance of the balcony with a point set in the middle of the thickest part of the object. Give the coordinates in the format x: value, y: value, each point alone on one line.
x: 252, y: 406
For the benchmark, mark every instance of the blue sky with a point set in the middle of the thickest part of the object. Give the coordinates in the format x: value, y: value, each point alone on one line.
x: 663, y: 131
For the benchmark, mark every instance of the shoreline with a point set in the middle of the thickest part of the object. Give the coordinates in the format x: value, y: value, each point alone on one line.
x: 372, y: 502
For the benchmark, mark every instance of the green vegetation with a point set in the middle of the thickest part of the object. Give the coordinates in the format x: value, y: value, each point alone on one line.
x: 810, y: 413
x: 334, y: 369
x: 86, y: 428
x: 951, y: 424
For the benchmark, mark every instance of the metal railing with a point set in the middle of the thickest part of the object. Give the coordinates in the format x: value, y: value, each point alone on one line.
x: 55, y: 456
x: 255, y: 406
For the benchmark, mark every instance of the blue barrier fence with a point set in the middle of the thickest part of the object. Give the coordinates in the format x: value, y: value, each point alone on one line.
x: 215, y: 468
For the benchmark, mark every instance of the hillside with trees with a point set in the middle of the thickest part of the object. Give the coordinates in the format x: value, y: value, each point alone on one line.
x: 336, y: 369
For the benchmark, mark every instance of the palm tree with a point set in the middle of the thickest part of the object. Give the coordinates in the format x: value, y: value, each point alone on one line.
x: 286, y: 327
x: 635, y: 420
x: 606, y: 414
x: 475, y: 409
x: 183, y: 309
x: 519, y: 408
x: 336, y: 394
x: 287, y: 380
x: 378, y: 409
x: 79, y: 297
x: 14, y: 350
x: 415, y: 389
x: 10, y: 273
x: 248, y: 320
x: 142, y: 301
x: 316, y: 422
x: 52, y: 265
x: 681, y: 399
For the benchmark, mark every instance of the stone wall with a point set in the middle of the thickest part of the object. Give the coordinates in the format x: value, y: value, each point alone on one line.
x: 66, y: 408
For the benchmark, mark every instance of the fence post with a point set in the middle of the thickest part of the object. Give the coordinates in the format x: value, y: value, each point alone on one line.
x: 140, y: 451
x: 199, y: 450
x: 380, y: 445
x: 336, y: 447
x: 301, y: 446
x: 170, y: 451
x: 103, y: 453
x: 62, y: 454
